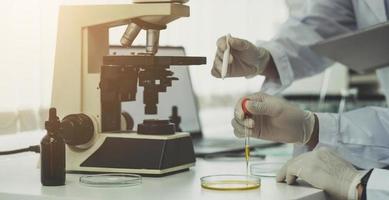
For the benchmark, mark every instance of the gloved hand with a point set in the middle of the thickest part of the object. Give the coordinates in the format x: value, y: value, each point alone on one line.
x: 323, y: 169
x: 245, y: 58
x: 274, y: 119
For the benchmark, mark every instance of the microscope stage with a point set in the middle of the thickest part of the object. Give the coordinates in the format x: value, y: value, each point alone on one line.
x: 135, y: 135
x: 150, y: 60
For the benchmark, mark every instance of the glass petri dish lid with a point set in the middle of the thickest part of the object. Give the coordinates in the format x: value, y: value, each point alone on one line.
x: 111, y: 180
x: 265, y: 169
x: 228, y: 182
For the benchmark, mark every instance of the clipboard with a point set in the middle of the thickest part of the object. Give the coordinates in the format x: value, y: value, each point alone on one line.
x: 362, y: 51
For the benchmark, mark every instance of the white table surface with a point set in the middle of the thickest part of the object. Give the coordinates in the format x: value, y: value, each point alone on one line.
x: 20, y: 179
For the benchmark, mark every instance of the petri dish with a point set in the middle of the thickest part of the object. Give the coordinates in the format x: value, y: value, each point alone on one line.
x: 111, y: 180
x: 265, y: 169
x: 227, y: 182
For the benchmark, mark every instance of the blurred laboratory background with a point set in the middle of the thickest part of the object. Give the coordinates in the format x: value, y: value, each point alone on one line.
x: 28, y: 47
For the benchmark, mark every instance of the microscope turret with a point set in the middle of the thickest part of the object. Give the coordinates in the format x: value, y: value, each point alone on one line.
x: 152, y: 25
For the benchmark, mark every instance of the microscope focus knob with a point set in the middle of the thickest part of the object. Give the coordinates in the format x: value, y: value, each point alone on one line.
x: 127, y: 122
x: 77, y: 129
x: 175, y: 118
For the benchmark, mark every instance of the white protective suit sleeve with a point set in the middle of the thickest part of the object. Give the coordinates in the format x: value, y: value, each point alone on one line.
x: 320, y: 19
x: 378, y: 185
x: 360, y: 136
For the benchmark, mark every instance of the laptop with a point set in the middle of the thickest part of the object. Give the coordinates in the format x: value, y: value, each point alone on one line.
x: 363, y: 51
x: 182, y: 95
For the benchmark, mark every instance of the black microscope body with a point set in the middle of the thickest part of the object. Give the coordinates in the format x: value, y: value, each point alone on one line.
x: 155, y: 149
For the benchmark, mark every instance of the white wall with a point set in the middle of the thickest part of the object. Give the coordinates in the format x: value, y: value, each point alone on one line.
x: 28, y: 39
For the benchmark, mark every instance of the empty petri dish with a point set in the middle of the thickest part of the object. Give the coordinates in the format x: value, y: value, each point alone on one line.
x: 265, y: 169
x: 227, y: 182
x: 111, y: 180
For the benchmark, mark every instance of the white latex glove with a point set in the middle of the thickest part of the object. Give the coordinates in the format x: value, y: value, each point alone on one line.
x: 323, y: 169
x: 245, y: 58
x: 274, y: 119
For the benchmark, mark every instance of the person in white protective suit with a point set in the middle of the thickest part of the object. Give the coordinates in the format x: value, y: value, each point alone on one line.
x: 338, y: 144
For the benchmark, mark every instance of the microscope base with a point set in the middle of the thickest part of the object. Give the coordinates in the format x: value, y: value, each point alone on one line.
x: 133, y: 153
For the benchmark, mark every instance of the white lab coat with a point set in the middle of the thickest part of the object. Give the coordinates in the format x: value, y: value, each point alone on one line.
x: 362, y: 136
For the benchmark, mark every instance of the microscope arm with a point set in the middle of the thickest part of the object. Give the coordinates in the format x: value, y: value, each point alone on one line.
x: 116, y: 15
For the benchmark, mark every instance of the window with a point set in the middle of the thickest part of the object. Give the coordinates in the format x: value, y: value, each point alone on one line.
x: 28, y: 39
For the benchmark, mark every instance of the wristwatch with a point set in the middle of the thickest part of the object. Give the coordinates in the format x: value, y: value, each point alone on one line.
x: 364, y: 181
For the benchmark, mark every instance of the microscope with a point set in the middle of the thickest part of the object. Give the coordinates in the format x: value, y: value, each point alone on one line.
x: 90, y: 85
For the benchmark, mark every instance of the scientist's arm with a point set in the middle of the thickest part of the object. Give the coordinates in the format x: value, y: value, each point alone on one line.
x: 360, y: 136
x: 288, y: 57
x: 321, y: 19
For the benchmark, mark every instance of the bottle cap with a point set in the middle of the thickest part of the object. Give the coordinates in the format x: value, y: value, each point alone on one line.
x: 244, y: 108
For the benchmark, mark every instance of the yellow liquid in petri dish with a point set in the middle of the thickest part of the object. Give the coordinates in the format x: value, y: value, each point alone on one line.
x: 230, y: 182
x: 231, y: 185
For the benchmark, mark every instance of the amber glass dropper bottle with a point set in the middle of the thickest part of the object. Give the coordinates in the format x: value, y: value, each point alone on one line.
x: 53, y: 153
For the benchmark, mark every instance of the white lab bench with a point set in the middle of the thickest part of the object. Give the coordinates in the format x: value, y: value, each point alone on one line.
x: 20, y: 180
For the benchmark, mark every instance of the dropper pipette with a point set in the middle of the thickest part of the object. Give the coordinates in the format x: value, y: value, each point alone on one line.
x: 247, y: 114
